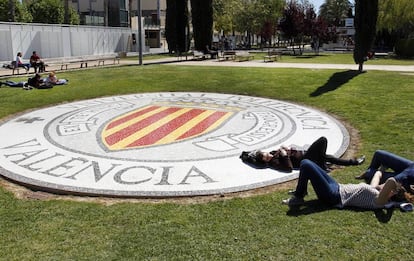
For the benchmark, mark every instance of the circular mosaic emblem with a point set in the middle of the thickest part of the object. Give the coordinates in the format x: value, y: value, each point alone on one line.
x: 158, y: 144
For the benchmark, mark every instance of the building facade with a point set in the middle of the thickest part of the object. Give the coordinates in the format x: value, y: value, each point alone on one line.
x: 123, y: 13
x: 113, y: 13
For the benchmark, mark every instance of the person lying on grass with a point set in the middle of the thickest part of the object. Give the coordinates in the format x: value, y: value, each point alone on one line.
x: 52, y: 80
x: 287, y: 159
x: 332, y: 193
x: 391, y: 165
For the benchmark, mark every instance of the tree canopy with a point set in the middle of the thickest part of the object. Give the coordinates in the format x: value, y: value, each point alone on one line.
x: 15, y: 13
x: 397, y: 16
x: 224, y: 13
x: 47, y: 11
x: 300, y: 23
x: 252, y: 16
x: 40, y: 11
x: 334, y: 11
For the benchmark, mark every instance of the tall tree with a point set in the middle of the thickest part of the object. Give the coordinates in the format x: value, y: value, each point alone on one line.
x: 269, y: 13
x: 334, y: 11
x: 292, y: 22
x: 314, y: 27
x: 366, y: 13
x: 245, y: 19
x: 396, y: 16
x: 12, y: 8
x: 171, y: 25
x: 51, y: 12
x: 202, y: 20
x: 66, y: 16
x: 175, y: 25
x: 47, y: 11
x: 224, y: 14
x: 182, y: 26
x: 14, y: 11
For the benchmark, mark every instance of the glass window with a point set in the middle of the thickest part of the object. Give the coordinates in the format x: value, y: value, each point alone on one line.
x: 122, y: 4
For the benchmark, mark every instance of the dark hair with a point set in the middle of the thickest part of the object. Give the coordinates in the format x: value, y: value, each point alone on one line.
x: 254, y: 158
x: 409, y: 197
x: 259, y: 156
x: 404, y: 195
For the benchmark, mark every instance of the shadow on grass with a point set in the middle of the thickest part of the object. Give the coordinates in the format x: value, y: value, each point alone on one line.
x: 335, y: 81
x: 384, y: 215
x: 315, y: 206
x: 149, y: 62
x: 309, y: 56
x: 310, y: 207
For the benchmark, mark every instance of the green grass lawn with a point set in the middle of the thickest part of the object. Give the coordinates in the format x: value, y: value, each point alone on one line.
x: 345, y: 58
x: 310, y: 57
x: 380, y: 105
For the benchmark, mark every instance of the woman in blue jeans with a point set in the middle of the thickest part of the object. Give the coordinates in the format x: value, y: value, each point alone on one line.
x: 402, y: 169
x: 329, y: 191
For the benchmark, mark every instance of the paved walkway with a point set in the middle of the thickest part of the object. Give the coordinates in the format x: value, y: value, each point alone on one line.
x: 253, y: 63
x: 257, y: 63
x: 260, y: 63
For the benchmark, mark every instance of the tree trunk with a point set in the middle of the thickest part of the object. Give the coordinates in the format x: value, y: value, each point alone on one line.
x: 366, y: 13
x: 202, y: 20
x: 12, y: 11
x: 66, y: 18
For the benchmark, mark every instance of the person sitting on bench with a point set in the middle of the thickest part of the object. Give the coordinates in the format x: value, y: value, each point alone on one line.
x: 20, y: 63
x: 36, y: 62
x: 213, y: 54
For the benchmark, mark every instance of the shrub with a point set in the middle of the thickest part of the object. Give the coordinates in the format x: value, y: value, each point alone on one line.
x: 405, y: 48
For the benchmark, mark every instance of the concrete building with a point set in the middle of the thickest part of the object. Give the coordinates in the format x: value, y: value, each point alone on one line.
x: 153, y: 12
x: 107, y: 27
x: 113, y: 13
x: 123, y: 13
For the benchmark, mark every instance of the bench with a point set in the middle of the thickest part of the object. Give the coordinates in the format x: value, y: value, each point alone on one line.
x: 12, y: 66
x: 17, y: 68
x: 243, y: 57
x: 114, y: 58
x: 382, y: 55
x: 227, y: 55
x: 184, y: 56
x: 100, y: 59
x: 272, y: 56
x: 197, y: 55
x: 63, y: 63
x: 83, y: 61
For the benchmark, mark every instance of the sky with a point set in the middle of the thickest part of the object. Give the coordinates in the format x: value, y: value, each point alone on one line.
x: 317, y: 4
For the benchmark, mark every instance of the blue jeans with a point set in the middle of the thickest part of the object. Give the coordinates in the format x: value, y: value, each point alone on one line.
x: 403, y: 169
x: 325, y: 187
x: 25, y: 65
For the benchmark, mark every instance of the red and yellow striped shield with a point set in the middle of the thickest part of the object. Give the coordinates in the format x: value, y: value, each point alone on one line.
x: 157, y: 125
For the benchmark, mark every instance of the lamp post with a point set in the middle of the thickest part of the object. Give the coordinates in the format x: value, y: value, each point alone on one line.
x: 139, y: 32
